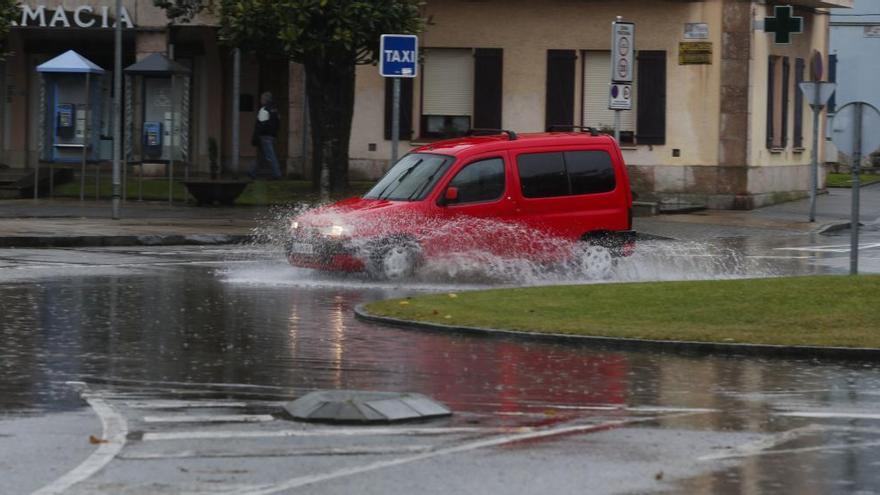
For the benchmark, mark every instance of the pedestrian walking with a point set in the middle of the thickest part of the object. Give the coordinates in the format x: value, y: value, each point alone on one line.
x: 265, y: 133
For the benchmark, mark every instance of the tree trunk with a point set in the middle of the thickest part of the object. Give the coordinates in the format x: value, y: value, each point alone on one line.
x: 330, y: 90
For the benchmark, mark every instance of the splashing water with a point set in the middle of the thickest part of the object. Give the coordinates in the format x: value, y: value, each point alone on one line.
x: 473, y: 252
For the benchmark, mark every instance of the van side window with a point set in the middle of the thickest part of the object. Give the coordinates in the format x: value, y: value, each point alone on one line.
x: 590, y: 172
x: 542, y: 175
x: 547, y: 175
x: 480, y: 181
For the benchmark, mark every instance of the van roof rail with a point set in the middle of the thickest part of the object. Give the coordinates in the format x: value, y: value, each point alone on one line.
x: 569, y: 127
x: 488, y: 132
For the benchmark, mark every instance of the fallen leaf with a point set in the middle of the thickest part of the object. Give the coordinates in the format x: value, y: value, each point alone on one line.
x: 404, y: 303
x: 435, y: 312
x: 95, y: 440
x: 658, y: 476
x: 453, y: 295
x: 448, y: 317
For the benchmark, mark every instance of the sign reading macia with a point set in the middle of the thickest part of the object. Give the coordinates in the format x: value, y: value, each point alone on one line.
x: 83, y: 16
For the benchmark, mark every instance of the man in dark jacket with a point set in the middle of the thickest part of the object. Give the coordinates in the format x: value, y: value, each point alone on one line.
x: 265, y: 133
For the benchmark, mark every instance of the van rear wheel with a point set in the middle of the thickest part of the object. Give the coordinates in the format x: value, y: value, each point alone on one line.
x: 593, y: 260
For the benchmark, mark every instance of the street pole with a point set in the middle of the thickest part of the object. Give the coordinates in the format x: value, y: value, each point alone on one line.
x: 236, y: 125
x: 395, y: 121
x: 814, y: 154
x: 117, y: 105
x: 617, y: 126
x: 856, y: 170
x: 85, y: 143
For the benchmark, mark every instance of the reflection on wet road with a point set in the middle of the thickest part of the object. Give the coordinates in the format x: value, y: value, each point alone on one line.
x: 193, y: 349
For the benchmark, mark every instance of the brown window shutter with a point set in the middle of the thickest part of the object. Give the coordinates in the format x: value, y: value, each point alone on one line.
x: 798, y: 103
x: 771, y: 90
x: 560, y: 87
x: 487, y: 88
x: 406, y: 106
x: 786, y: 70
x: 651, y: 106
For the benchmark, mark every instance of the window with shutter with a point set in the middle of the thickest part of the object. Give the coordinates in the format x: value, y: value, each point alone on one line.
x: 777, y: 102
x: 447, y: 91
x: 597, y: 79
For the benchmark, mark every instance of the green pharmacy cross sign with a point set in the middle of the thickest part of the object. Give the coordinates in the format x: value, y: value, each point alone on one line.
x: 783, y: 24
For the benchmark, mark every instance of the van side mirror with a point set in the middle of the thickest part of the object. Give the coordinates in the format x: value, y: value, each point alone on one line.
x: 451, y: 195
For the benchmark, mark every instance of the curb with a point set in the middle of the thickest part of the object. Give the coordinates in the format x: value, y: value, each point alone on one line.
x: 121, y: 240
x: 750, y: 350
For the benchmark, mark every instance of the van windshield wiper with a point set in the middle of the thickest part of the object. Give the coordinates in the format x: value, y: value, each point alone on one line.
x: 398, y: 181
x: 418, y: 192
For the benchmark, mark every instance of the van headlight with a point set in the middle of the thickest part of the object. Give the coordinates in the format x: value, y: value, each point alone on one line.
x: 335, y: 230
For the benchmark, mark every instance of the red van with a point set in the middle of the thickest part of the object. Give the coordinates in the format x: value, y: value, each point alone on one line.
x: 507, y: 194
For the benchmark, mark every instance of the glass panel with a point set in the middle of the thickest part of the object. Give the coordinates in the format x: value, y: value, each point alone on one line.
x: 480, y: 181
x: 542, y: 175
x: 411, y: 178
x: 590, y: 171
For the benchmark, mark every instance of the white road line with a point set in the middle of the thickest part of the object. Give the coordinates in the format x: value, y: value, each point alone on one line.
x: 758, y: 446
x: 323, y: 432
x: 842, y: 446
x: 651, y: 409
x: 829, y: 415
x: 219, y: 418
x: 467, y: 447
x: 181, y: 404
x: 329, y: 451
x: 837, y: 248
x: 114, y: 432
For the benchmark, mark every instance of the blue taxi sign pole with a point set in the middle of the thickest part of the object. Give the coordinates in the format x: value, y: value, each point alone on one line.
x: 398, y: 58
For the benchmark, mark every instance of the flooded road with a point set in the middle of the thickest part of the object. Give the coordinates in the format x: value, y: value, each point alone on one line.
x: 191, y: 351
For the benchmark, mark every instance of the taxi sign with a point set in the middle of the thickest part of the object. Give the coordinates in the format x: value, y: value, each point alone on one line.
x: 398, y: 55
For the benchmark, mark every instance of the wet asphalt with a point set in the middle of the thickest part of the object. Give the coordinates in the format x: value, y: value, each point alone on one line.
x: 176, y: 361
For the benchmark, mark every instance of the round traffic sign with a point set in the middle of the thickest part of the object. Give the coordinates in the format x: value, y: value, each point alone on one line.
x: 845, y: 125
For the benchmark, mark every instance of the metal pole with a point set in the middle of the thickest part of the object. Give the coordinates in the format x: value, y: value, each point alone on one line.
x: 236, y: 124
x: 856, y: 170
x: 117, y: 106
x: 305, y: 124
x: 395, y: 121
x: 85, y: 142
x: 814, y: 153
x: 171, y: 136
x: 617, y: 126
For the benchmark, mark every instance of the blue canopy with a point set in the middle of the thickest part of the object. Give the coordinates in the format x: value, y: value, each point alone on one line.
x: 70, y: 62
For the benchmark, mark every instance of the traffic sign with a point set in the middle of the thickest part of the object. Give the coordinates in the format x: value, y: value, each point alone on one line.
x: 620, y: 97
x: 847, y: 125
x: 817, y: 93
x: 398, y: 55
x: 623, y: 47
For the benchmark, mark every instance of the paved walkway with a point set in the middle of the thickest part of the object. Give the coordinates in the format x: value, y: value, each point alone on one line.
x: 62, y: 223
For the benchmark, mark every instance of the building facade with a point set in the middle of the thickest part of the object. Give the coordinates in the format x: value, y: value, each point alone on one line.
x: 716, y: 120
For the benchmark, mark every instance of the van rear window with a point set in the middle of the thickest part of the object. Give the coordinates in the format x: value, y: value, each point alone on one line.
x: 545, y: 175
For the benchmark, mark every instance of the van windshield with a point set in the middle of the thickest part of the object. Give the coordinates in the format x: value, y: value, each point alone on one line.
x: 412, y: 178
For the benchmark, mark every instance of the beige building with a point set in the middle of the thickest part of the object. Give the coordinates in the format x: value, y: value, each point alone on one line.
x: 717, y: 118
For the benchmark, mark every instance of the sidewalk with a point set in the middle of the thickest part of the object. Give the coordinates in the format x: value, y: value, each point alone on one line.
x: 71, y: 223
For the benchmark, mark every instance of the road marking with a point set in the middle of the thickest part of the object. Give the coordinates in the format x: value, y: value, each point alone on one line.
x: 323, y: 432
x: 758, y: 446
x: 829, y: 415
x: 329, y: 451
x: 181, y: 404
x: 219, y: 418
x: 467, y: 447
x: 114, y: 433
x: 836, y: 248
x: 843, y: 446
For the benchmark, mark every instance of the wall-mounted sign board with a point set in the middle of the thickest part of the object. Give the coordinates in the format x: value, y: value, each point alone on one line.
x: 695, y: 53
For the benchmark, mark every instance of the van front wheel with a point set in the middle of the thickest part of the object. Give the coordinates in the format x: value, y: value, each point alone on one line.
x: 393, y: 260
